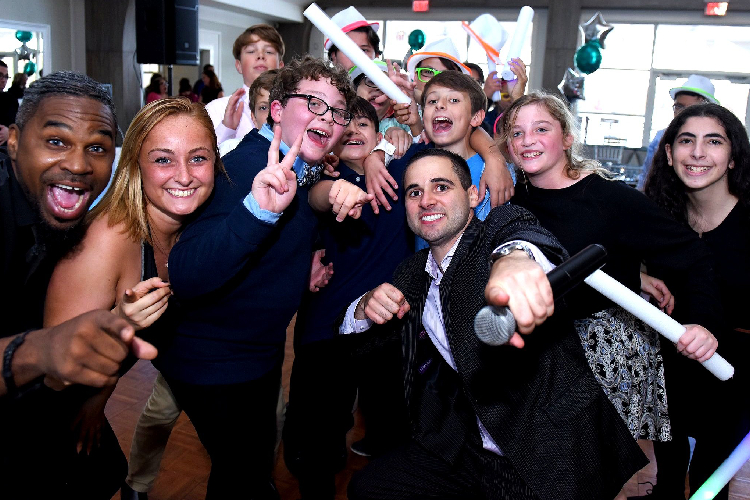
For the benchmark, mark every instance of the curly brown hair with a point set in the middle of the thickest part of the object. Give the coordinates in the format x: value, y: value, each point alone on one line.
x: 308, y: 68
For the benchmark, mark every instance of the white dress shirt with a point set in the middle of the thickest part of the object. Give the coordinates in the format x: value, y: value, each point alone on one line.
x: 216, y: 109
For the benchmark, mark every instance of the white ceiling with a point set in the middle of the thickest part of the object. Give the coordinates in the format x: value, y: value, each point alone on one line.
x: 276, y: 10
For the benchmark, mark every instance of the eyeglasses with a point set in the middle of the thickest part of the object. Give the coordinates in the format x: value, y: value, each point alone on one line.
x: 425, y: 74
x: 318, y: 106
x: 678, y: 107
x: 3, y: 76
x: 370, y: 83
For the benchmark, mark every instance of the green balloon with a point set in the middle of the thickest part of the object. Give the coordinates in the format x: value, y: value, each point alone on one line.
x: 589, y: 57
x: 416, y: 40
x: 23, y: 36
x: 29, y: 68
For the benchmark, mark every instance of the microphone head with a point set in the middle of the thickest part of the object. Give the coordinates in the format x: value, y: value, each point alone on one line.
x: 494, y: 325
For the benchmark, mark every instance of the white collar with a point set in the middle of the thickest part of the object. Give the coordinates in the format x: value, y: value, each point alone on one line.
x: 436, y: 271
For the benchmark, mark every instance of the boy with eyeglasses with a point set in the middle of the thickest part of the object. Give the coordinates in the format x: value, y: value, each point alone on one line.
x: 324, y: 375
x: 258, y: 49
x: 240, y: 270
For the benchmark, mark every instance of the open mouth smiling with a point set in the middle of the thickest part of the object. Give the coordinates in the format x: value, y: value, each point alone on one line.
x: 181, y: 193
x: 442, y: 124
x: 318, y: 137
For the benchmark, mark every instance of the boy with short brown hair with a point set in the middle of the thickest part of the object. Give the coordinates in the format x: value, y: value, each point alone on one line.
x: 258, y: 49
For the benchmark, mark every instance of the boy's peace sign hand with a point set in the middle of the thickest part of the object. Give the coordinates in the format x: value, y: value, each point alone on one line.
x: 275, y: 186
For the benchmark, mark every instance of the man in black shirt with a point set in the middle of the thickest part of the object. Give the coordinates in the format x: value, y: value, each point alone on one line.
x: 59, y: 156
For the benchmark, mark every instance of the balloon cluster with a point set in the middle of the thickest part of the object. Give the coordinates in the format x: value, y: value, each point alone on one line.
x: 24, y: 53
x: 594, y: 31
x: 588, y: 57
x: 416, y: 42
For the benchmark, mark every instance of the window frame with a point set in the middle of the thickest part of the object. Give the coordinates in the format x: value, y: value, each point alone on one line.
x: 662, y: 17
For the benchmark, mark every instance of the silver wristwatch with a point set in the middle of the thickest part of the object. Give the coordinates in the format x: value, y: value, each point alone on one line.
x: 508, y: 248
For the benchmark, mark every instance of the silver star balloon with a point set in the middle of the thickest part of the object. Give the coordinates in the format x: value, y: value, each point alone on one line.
x: 571, y: 85
x: 596, y: 28
x: 24, y: 52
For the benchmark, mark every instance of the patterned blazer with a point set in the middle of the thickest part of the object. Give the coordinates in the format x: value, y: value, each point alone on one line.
x: 541, y: 404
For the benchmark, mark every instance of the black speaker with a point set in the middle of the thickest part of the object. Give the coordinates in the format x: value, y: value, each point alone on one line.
x: 167, y: 32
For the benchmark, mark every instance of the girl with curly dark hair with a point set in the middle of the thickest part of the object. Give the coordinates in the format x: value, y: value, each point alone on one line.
x: 701, y: 175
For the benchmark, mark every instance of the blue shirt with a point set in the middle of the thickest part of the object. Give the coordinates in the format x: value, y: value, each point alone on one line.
x: 652, y: 147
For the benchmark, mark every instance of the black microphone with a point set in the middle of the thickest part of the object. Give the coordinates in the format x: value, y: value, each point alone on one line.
x: 496, y: 325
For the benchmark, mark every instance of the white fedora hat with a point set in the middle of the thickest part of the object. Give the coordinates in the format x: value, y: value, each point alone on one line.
x: 349, y: 19
x: 443, y: 49
x: 489, y: 33
x: 697, y: 84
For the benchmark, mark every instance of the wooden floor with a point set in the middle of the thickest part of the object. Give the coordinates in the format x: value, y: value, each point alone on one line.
x: 185, y: 467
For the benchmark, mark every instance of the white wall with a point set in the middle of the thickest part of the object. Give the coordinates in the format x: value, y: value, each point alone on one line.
x: 229, y: 26
x: 65, y: 48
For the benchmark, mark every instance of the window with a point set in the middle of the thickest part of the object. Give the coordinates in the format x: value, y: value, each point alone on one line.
x: 8, y: 45
x: 647, y: 60
x: 616, y: 94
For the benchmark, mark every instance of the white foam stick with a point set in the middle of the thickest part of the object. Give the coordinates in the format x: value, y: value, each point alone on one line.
x: 497, y: 95
x: 659, y: 321
x: 345, y: 44
x: 519, y: 37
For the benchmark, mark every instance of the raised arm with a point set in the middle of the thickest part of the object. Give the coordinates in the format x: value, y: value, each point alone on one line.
x: 87, y: 349
x: 239, y: 219
x: 496, y: 177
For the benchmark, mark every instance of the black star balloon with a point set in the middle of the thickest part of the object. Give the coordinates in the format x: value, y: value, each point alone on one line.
x: 596, y: 28
x: 571, y: 85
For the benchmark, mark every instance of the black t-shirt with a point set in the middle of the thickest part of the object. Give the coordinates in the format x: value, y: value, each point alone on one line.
x: 730, y: 244
x: 633, y: 229
x: 8, y: 108
x: 26, y: 265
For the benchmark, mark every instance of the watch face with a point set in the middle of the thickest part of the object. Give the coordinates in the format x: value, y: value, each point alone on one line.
x: 507, y: 249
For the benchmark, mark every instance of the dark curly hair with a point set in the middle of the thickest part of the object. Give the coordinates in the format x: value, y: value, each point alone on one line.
x: 665, y: 188
x: 308, y: 68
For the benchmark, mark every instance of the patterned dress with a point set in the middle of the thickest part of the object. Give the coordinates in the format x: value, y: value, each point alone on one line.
x: 623, y: 353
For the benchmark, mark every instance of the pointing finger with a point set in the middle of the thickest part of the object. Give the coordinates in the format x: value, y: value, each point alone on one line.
x: 294, y: 151
x: 273, y: 151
